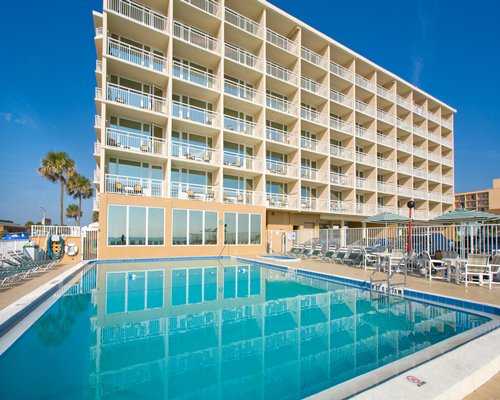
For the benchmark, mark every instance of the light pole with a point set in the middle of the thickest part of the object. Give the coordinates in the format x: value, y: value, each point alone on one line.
x: 43, y: 220
x: 411, y: 206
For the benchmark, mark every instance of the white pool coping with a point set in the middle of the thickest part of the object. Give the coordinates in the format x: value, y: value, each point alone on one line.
x: 291, y: 259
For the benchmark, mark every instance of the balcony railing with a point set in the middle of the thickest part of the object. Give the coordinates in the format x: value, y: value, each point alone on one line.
x: 241, y: 91
x: 366, y: 134
x: 365, y: 108
x: 139, y: 13
x: 98, y: 66
x: 313, y: 86
x: 341, y: 152
x: 405, y: 169
x: 447, y: 198
x: 386, y: 117
x: 448, y: 161
x: 136, y: 55
x: 191, y: 191
x: 313, y: 145
x: 434, y: 176
x: 97, y: 176
x: 281, y: 41
x: 340, y: 98
x: 419, y: 152
x: 434, y: 196
x: 98, y: 122
x: 194, y: 75
x: 338, y: 206
x: 243, y: 22
x: 386, y: 164
x: 386, y: 93
x: 341, y: 179
x: 434, y: 137
x: 340, y: 125
x: 367, y: 184
x: 313, y: 174
x: 134, y: 186
x: 419, y: 131
x: 313, y: 204
x: 281, y: 201
x: 433, y: 117
x: 420, y: 110
x: 98, y: 31
x: 447, y: 124
x: 134, y: 142
x: 365, y: 83
x: 401, y: 123
x: 386, y: 187
x: 97, y: 148
x: 447, y: 179
x: 312, y: 57
x: 366, y: 209
x: 404, y: 191
x: 243, y: 161
x: 384, y: 139
x: 279, y: 104
x: 237, y: 196
x: 242, y: 126
x: 194, y: 114
x: 281, y: 72
x: 95, y: 205
x: 281, y: 168
x: 401, y: 101
x: 341, y: 71
x: 312, y: 115
x: 421, y: 194
x: 195, y: 37
x: 194, y: 153
x: 280, y: 136
x: 241, y: 56
x: 366, y: 159
x: 208, y: 6
x: 135, y: 98
x: 404, y: 146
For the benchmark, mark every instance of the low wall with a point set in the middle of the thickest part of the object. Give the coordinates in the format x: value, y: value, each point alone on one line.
x: 42, y: 243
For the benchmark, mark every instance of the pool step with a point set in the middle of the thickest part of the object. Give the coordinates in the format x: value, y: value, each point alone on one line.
x: 382, y: 287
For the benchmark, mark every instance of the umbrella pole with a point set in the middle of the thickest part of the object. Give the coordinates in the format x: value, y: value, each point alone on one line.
x: 408, y: 246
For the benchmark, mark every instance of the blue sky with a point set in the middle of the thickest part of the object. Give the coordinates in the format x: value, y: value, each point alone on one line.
x: 448, y: 48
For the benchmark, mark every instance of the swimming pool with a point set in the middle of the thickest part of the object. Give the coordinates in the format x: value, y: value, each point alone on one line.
x: 279, y: 258
x: 214, y: 329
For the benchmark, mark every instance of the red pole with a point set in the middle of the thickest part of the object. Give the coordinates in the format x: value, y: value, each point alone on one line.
x: 408, y: 247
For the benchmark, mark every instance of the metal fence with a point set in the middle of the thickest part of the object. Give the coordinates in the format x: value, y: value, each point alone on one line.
x: 46, y: 230
x: 464, y: 239
x: 10, y: 245
x: 90, y: 238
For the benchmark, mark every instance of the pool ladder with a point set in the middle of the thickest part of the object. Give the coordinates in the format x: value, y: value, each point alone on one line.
x: 386, y: 286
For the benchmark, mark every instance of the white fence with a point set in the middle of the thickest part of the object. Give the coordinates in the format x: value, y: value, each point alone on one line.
x: 90, y: 238
x: 464, y: 239
x: 45, y: 230
x: 10, y: 245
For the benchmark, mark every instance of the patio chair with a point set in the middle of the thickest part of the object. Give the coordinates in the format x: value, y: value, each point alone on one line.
x: 433, y: 267
x: 341, y: 254
x: 305, y: 253
x: 494, y: 270
x: 293, y: 251
x: 476, y: 266
x: 328, y: 256
x: 355, y: 258
x: 316, y: 253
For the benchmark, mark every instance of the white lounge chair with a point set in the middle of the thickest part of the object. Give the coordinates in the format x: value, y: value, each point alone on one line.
x: 477, y: 266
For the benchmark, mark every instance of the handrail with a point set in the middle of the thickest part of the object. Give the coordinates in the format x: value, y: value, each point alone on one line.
x: 131, y: 185
x: 194, y: 75
x: 241, y: 91
x: 193, y: 113
x: 280, y: 72
x: 196, y: 37
x: 241, y: 126
x: 341, y: 125
x: 192, y: 191
x: 241, y: 56
x: 312, y: 115
x: 134, y: 141
x: 312, y: 86
x: 281, y: 136
x: 341, y: 98
x: 341, y: 71
x: 208, y: 6
x: 139, y: 13
x: 193, y: 152
x: 277, y: 103
x: 136, y: 55
x: 136, y: 98
x: 281, y: 41
x: 242, y: 22
x: 281, y: 168
x: 312, y: 57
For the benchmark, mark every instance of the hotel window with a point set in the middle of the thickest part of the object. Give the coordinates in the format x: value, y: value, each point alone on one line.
x: 194, y: 227
x: 194, y: 285
x: 242, y: 229
x: 135, y: 226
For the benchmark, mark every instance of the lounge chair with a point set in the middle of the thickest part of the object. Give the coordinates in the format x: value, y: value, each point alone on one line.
x: 432, y: 267
x: 355, y: 259
x: 293, y: 251
x: 328, y: 256
x: 305, y: 253
x: 316, y: 253
x: 341, y: 254
x: 476, y: 267
x: 494, y: 270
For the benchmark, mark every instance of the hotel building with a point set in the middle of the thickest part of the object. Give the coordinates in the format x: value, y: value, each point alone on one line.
x: 218, y: 120
x: 487, y: 200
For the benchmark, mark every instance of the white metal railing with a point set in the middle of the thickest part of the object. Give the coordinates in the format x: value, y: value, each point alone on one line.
x: 99, y: 31
x: 193, y: 152
x: 241, y: 91
x: 401, y: 101
x: 420, y: 172
x: 138, y: 13
x: 404, y: 146
x: 341, y: 98
x: 404, y: 191
x: 280, y: 104
x: 98, y: 121
x: 386, y: 164
x: 136, y: 55
x: 419, y: 131
x: 386, y: 93
x: 281, y: 168
x: 367, y: 184
x: 447, y: 198
x: 390, y: 209
x: 135, y: 98
x: 195, y: 37
x: 194, y: 114
x: 313, y: 145
x: 98, y: 66
x: 194, y: 75
x: 365, y: 108
x: 386, y: 187
x: 208, y: 6
x: 131, y: 185
x: 97, y: 175
x: 308, y: 203
x: 386, y: 117
x: 365, y: 83
x: 281, y: 72
x: 434, y: 196
x: 243, y: 22
x: 240, y: 196
x: 365, y: 133
x: 448, y: 161
x: 313, y: 174
x: 366, y: 209
x: 342, y: 152
x: 341, y: 179
x: 419, y: 193
x: 98, y: 93
x: 401, y: 123
x: 243, y: 161
x: 338, y: 206
x: 433, y: 157
x: 95, y: 203
x: 434, y: 176
x: 385, y: 139
x: 420, y: 110
x: 448, y: 142
x: 242, y: 56
x: 191, y: 191
x: 242, y: 126
x: 281, y: 136
x: 134, y: 142
x: 281, y: 41
x: 419, y: 152
x: 405, y: 169
x: 340, y: 125
x: 434, y: 137
x: 313, y: 86
x: 46, y: 230
x: 341, y: 71
x: 447, y: 179
x: 433, y: 117
x: 446, y: 123
x: 366, y: 159
x: 281, y: 201
x: 312, y: 57
x: 312, y: 115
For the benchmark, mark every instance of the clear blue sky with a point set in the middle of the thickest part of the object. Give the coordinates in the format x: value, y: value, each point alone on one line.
x: 449, y: 48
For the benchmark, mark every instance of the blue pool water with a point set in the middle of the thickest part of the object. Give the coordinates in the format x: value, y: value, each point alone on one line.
x: 210, y: 330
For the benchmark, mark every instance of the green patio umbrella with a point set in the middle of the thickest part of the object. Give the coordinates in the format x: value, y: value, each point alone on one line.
x: 387, y: 218
x: 460, y: 216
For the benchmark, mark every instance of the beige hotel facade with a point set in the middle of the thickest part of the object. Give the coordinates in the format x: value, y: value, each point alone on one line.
x: 218, y: 120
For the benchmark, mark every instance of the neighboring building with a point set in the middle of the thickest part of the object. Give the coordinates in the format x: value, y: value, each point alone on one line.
x: 482, y: 200
x: 10, y: 226
x: 237, y: 107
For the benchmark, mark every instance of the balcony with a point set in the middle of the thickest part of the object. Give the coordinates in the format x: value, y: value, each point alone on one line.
x: 448, y: 161
x: 420, y: 172
x: 312, y: 116
x: 134, y: 98
x: 313, y: 86
x: 98, y: 66
x: 130, y: 185
x: 97, y: 176
x: 386, y: 187
x: 194, y: 114
x: 242, y: 22
x: 281, y: 168
x: 434, y: 176
x: 447, y: 180
x: 447, y: 198
x: 420, y: 194
x: 404, y: 147
x: 138, y: 13
x: 313, y: 58
x: 341, y: 179
x: 285, y: 201
x: 97, y: 122
x: 134, y: 142
x: 419, y: 131
x: 136, y: 55
x: 195, y: 37
x: 191, y: 191
x: 237, y: 196
x: 193, y: 75
x: 313, y: 174
x: 208, y: 6
x: 385, y: 139
x: 364, y: 133
x: 366, y: 209
x: 279, y: 104
x: 281, y: 41
x: 365, y: 83
x: 341, y: 207
x: 242, y: 126
x: 280, y: 136
x: 242, y: 91
x: 386, y: 164
x: 401, y: 101
x: 242, y: 161
x: 340, y: 125
x: 313, y: 145
x: 341, y: 71
x: 97, y: 149
x: 435, y: 138
x: 341, y: 152
x: 420, y: 111
x: 432, y: 116
x: 386, y: 117
x: 385, y: 93
x: 434, y: 196
x: 404, y: 191
x: 313, y: 204
x: 401, y: 123
x: 365, y: 108
x: 95, y: 203
x: 419, y: 152
x: 195, y: 153
x: 242, y: 57
x: 365, y: 184
x: 404, y: 169
x: 281, y: 73
x: 447, y: 124
x: 341, y: 98
x: 366, y: 159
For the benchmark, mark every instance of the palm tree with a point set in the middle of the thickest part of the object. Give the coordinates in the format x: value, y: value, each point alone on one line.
x: 73, y: 211
x: 58, y: 166
x: 80, y: 188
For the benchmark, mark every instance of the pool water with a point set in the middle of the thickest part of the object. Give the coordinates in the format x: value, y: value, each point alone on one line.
x: 279, y: 258
x: 209, y: 329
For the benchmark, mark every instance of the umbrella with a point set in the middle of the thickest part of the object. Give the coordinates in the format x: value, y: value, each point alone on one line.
x: 386, y: 218
x: 460, y: 215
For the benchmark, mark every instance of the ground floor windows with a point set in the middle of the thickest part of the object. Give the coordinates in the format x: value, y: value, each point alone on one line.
x: 242, y: 228
x: 135, y: 226
x: 194, y: 285
x: 241, y: 281
x: 194, y: 227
